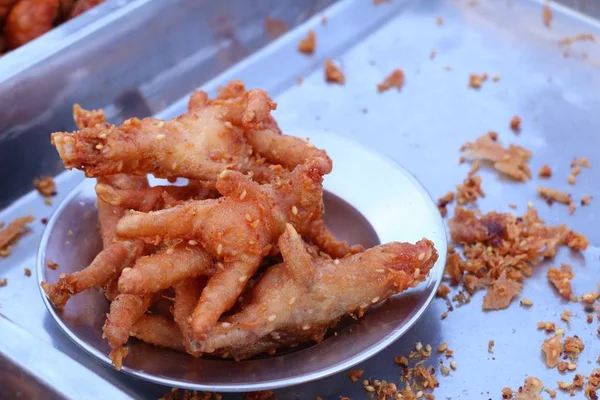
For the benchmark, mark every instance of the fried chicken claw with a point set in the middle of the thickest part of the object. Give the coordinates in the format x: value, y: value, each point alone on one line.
x: 125, y: 310
x: 164, y: 269
x: 29, y: 19
x: 238, y: 229
x: 187, y: 293
x: 115, y: 256
x: 196, y: 145
x: 159, y: 331
x: 319, y: 292
x: 82, y: 6
x: 88, y: 118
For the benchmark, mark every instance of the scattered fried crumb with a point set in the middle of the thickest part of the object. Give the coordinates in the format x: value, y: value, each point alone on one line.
x: 562, y: 366
x: 496, y: 78
x: 355, y: 374
x: 500, y: 293
x: 512, y: 161
x: 525, y: 302
x: 547, y: 15
x: 573, y: 346
x: 3, y: 282
x: 552, y: 195
x: 45, y: 185
x: 27, y: 272
x: 584, y: 162
x: 589, y: 298
x: 447, y: 68
x: 515, y: 123
x: 262, y: 395
x: 545, y: 171
x: 582, y: 37
x: 47, y: 201
x: 443, y: 202
x: 585, y: 200
x: 51, y: 264
x: 551, y: 393
x: 12, y: 232
x: 308, y: 44
x: 333, y: 73
x: 552, y: 349
x: 275, y: 28
x: 589, y: 318
x: 561, y: 279
x: 469, y: 191
x: 501, y: 244
x: 571, y: 179
x: 491, y: 344
x: 299, y: 80
x: 432, y: 54
x: 565, y: 315
x: 395, y: 79
x: 443, y: 290
x: 475, y: 81
x: 571, y: 208
x: 547, y: 326
x: 323, y: 20
x: 439, y: 20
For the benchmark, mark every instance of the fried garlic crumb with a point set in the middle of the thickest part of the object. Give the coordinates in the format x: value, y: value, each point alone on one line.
x: 442, y: 291
x: 333, y: 73
x: 525, y: 302
x: 3, y: 282
x: 51, y: 264
x: 45, y: 185
x: 565, y: 315
x: 27, y: 272
x: 512, y: 161
x: 561, y: 279
x: 308, y: 44
x: 439, y: 20
x: 491, y: 344
x: 545, y: 171
x: 586, y: 200
x: 394, y: 79
x: 355, y: 374
x: 443, y: 202
x: 552, y: 195
x: 469, y: 191
x: 515, y: 123
x: 475, y: 80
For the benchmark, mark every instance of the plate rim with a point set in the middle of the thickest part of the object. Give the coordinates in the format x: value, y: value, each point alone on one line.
x: 435, y: 278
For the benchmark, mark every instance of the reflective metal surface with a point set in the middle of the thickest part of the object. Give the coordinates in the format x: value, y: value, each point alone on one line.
x: 422, y: 127
x: 352, y: 212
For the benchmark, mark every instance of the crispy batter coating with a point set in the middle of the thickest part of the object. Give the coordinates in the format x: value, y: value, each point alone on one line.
x: 88, y: 118
x: 324, y: 239
x: 319, y: 292
x: 29, y: 19
x: 159, y: 331
x: 165, y: 268
x: 124, y: 312
x: 512, y: 161
x: 13, y: 230
x: 238, y: 229
x: 500, y: 293
x: 196, y: 145
x: 552, y: 347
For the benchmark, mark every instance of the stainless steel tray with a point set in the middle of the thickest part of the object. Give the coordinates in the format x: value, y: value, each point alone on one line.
x: 422, y: 128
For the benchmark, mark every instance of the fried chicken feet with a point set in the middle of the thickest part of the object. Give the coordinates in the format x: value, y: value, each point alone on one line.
x: 297, y: 301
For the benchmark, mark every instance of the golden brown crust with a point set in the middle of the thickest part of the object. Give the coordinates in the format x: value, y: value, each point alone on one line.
x: 29, y: 19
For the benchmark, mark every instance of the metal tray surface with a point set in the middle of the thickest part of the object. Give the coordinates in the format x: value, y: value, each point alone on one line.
x: 422, y: 127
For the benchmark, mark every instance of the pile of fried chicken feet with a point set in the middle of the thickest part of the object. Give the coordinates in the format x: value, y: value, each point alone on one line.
x: 241, y: 253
